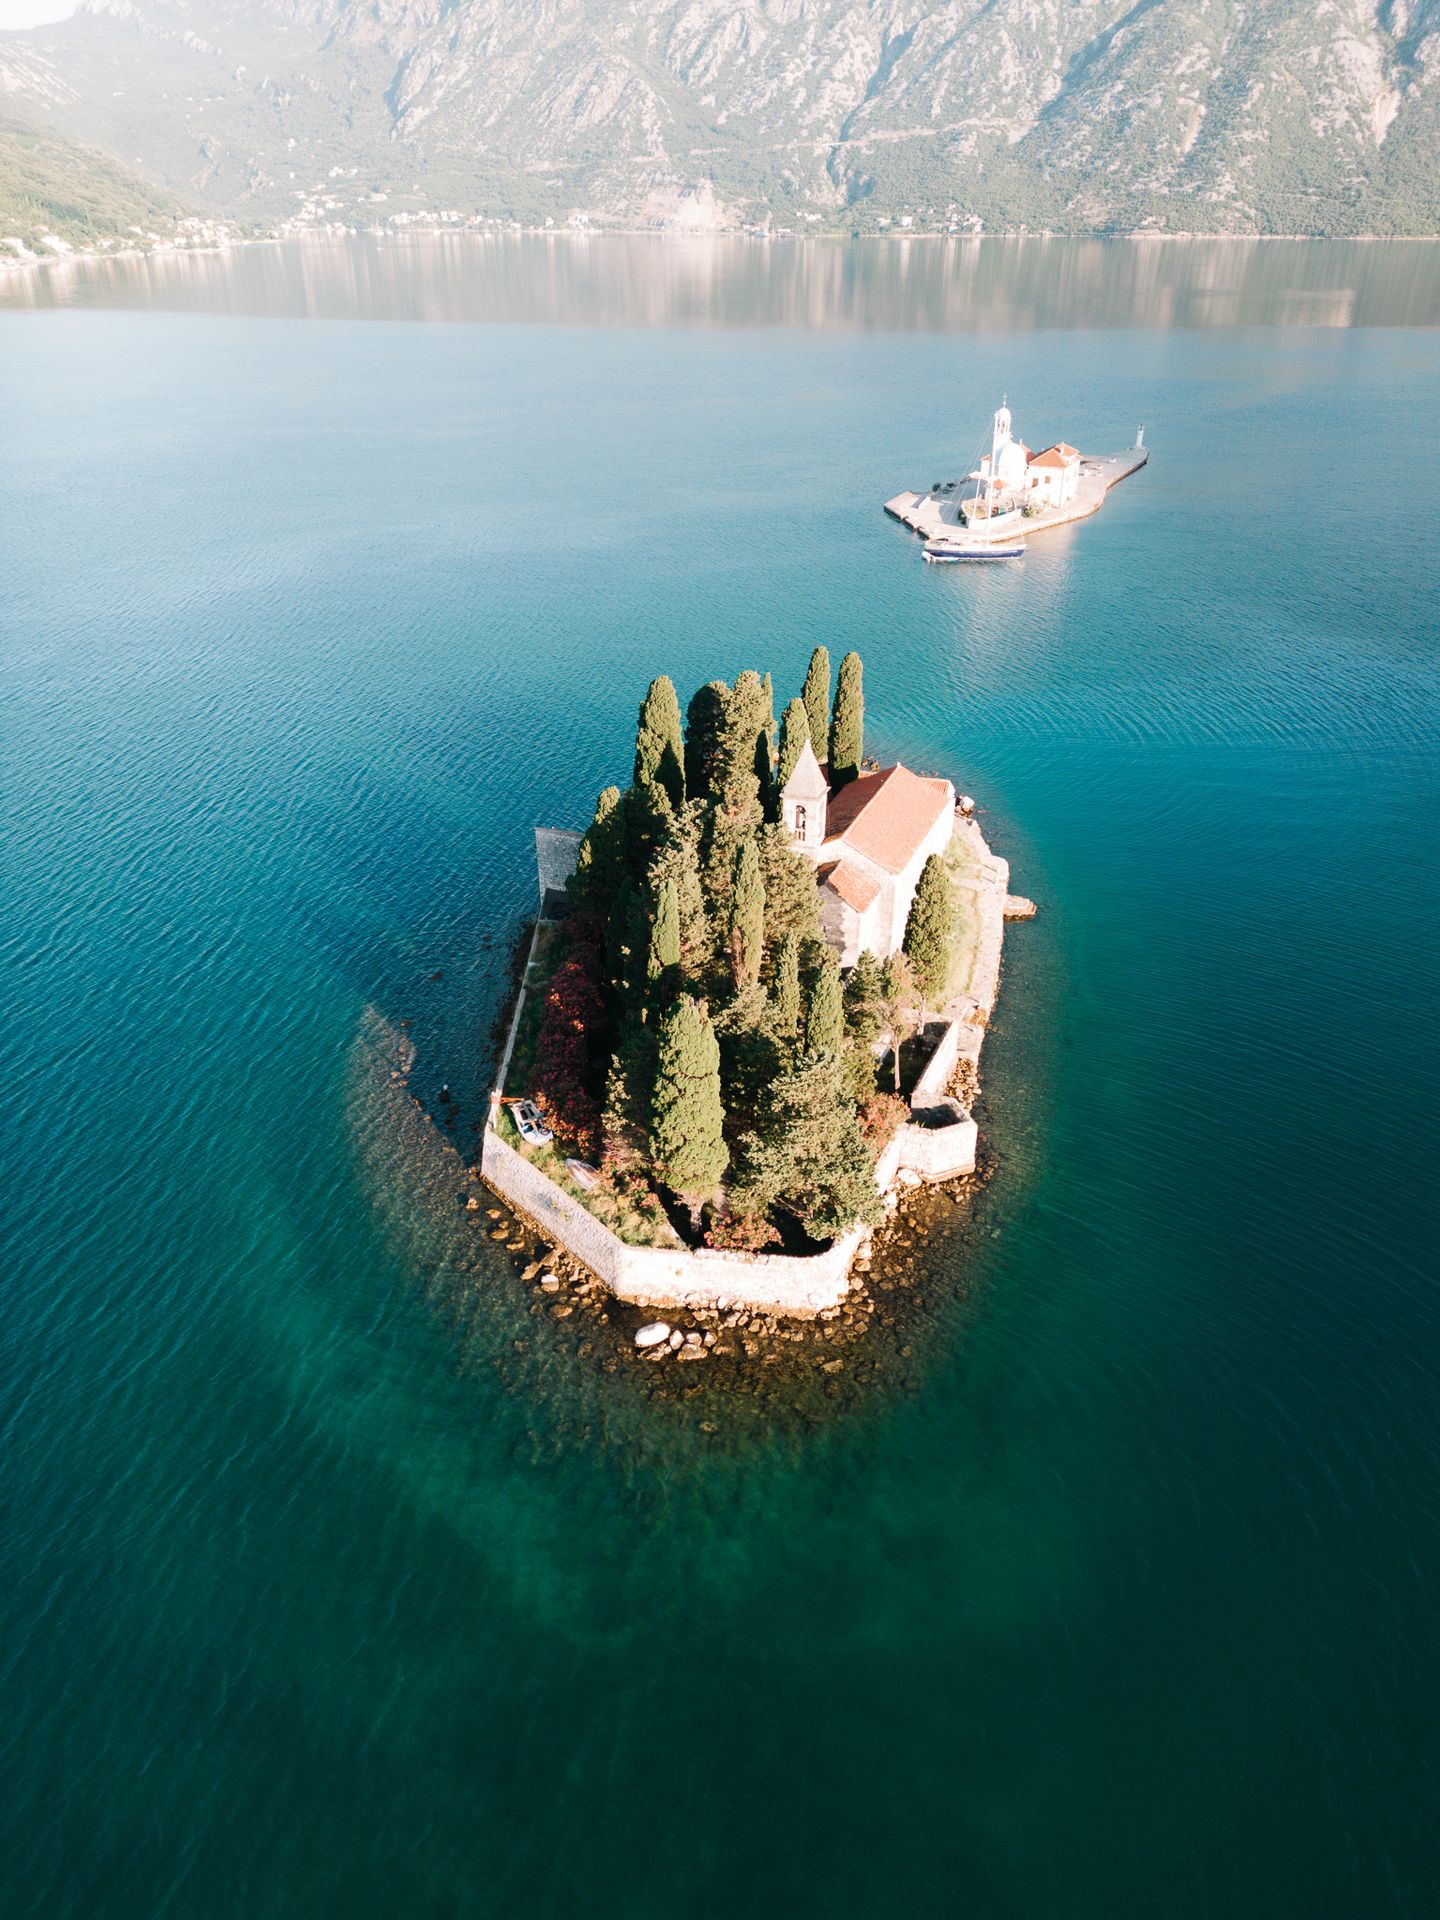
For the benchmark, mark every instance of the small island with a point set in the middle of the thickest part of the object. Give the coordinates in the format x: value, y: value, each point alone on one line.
x: 755, y: 984
x: 1017, y: 493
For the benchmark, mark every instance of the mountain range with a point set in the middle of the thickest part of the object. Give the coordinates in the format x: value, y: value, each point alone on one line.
x: 1198, y: 116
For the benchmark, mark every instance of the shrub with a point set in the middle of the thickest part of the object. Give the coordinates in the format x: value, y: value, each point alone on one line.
x: 571, y: 1025
x: 881, y: 1118
x: 743, y: 1233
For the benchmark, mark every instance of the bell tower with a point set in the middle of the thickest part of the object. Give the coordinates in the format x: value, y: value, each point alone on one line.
x: 803, y: 803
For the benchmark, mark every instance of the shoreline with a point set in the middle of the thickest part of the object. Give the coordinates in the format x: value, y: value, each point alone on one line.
x: 495, y: 228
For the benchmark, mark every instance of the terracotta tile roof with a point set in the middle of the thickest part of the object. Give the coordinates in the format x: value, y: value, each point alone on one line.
x: 1060, y: 455
x: 885, y: 816
x: 856, y: 889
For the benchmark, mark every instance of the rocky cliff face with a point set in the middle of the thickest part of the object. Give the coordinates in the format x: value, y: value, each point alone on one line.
x: 1284, y: 116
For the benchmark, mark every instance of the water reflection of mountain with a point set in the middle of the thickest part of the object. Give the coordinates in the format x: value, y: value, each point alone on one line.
x: 922, y: 285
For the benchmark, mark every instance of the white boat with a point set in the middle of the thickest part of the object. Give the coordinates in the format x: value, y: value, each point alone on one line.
x: 946, y: 546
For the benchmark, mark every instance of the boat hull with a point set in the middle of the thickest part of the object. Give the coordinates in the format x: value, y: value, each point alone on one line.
x: 944, y: 552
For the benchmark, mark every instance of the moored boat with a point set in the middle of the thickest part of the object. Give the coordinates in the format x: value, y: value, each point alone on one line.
x: 946, y: 547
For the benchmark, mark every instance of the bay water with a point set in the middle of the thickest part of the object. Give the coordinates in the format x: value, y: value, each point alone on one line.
x: 334, y: 1582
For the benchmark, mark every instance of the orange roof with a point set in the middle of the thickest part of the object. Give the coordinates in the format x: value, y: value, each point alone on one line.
x: 885, y: 816
x: 1060, y: 455
x: 856, y: 889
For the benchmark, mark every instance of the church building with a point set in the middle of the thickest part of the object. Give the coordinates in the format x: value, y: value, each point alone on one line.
x: 869, y: 842
x: 1010, y: 477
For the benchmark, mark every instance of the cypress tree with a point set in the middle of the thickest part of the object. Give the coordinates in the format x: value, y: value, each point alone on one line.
x: 705, y: 725
x: 792, y: 899
x: 847, y: 723
x: 627, y: 943
x: 628, y: 1088
x: 752, y: 717
x: 817, y: 697
x: 659, y: 742
x: 929, y: 930
x: 665, y: 934
x: 747, y: 917
x: 794, y: 732
x: 808, y: 1154
x: 678, y: 861
x: 863, y: 1018
x: 600, y: 863
x: 824, y: 1026
x: 687, y: 1118
x: 785, y: 987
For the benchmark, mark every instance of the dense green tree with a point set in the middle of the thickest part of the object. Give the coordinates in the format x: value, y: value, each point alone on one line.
x: 785, y: 987
x: 659, y: 741
x: 792, y: 899
x: 808, y: 1155
x: 847, y: 723
x: 664, y: 936
x: 601, y: 860
x: 629, y: 1085
x: 750, y: 1057
x: 734, y: 791
x: 930, y: 930
x: 898, y: 1005
x: 794, y: 732
x: 627, y: 944
x: 765, y: 756
x: 687, y: 1116
x: 858, y: 1073
x: 753, y: 718
x: 706, y: 719
x: 817, y: 698
x: 678, y: 861
x: 864, y: 1020
x: 747, y: 917
x: 649, y: 822
x: 824, y: 1024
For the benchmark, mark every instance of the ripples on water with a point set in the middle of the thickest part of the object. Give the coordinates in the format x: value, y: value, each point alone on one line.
x: 310, y: 1605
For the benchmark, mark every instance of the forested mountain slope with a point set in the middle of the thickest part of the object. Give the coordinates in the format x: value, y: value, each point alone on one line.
x: 1278, y: 116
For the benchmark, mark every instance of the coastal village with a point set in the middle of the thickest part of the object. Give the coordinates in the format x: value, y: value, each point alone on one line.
x: 752, y: 1008
x: 1016, y: 493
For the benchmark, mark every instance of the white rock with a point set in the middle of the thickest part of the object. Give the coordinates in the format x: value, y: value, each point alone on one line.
x: 676, y: 1340
x: 652, y: 1335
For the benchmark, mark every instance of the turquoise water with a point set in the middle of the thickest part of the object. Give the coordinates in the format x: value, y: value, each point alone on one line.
x: 320, y: 1598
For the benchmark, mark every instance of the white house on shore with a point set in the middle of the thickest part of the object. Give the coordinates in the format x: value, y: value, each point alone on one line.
x: 869, y: 842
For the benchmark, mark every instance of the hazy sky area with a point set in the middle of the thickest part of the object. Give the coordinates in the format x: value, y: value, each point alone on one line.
x: 33, y: 13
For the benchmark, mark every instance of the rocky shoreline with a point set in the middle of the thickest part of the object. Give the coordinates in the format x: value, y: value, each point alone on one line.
x: 524, y: 1310
x: 868, y: 1337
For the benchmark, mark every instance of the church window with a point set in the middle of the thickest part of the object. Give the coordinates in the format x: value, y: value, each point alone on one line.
x: 800, y: 821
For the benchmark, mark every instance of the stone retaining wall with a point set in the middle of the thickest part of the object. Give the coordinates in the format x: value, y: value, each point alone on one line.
x: 940, y: 1153
x: 666, y: 1276
x: 939, y: 1067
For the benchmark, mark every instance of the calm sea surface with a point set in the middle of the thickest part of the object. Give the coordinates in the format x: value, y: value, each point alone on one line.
x: 318, y: 1597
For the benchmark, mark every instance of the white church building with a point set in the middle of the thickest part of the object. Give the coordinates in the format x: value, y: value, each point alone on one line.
x: 869, y: 842
x: 1011, y: 477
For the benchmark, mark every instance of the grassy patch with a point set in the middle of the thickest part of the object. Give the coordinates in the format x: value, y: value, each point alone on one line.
x: 548, y: 951
x: 637, y: 1218
x: 962, y: 866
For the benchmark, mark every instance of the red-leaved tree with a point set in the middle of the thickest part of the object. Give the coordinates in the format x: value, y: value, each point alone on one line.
x: 572, y: 1027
